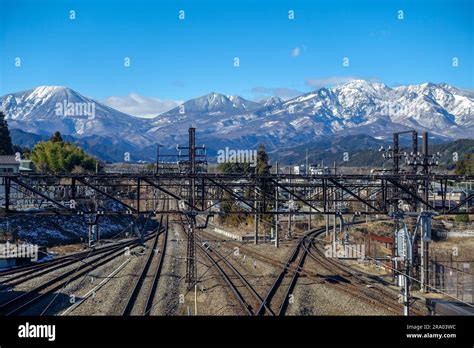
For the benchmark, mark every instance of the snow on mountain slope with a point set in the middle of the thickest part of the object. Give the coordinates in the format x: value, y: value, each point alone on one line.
x: 213, y: 104
x: 272, y: 101
x: 352, y: 108
x: 46, y: 109
x: 438, y: 108
x: 435, y: 106
x: 355, y: 107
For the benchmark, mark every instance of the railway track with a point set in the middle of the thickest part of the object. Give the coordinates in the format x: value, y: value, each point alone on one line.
x: 140, y: 300
x: 245, y: 294
x: 341, y: 277
x: 19, y: 271
x: 30, y: 300
x: 347, y: 280
x: 18, y: 276
x: 291, y: 272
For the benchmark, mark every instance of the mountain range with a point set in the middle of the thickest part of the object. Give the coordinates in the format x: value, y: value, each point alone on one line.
x: 357, y: 107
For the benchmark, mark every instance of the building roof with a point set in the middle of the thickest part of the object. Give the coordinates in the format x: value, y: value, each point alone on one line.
x: 26, y: 165
x: 9, y: 160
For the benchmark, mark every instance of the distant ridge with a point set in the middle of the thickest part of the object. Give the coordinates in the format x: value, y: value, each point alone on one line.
x: 356, y: 107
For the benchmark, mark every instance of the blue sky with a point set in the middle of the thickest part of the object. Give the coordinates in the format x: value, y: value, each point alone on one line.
x: 180, y: 59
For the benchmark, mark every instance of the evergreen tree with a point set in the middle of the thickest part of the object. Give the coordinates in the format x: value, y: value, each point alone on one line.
x: 235, y: 168
x: 265, y: 189
x: 466, y: 165
x: 6, y: 147
x: 56, y: 138
x: 462, y: 218
x: 262, y: 161
x: 57, y: 156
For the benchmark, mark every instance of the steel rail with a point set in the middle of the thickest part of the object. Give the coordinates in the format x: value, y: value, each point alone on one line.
x: 357, y: 290
x: 248, y: 308
x: 29, y: 298
x: 281, y: 276
x: 157, y: 275
x: 22, y: 275
x: 134, y: 295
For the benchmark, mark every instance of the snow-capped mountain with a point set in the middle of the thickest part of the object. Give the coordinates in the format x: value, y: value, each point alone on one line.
x: 272, y: 101
x: 214, y: 104
x: 210, y: 114
x: 352, y: 108
x: 438, y: 108
x: 44, y: 109
x: 356, y: 107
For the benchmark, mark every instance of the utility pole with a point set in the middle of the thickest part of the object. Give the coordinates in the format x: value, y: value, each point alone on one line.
x: 424, y: 243
x: 255, y: 206
x: 158, y: 158
x: 90, y: 235
x: 288, y: 233
x: 406, y: 290
x: 405, y: 254
x: 396, y: 159
x: 334, y: 196
x: 194, y: 159
x: 414, y: 162
x: 306, y: 163
x: 276, y: 209
x: 195, y: 300
x: 334, y: 193
x: 7, y: 194
x: 309, y: 216
x: 326, y: 205
x: 326, y: 218
x: 415, y: 159
x: 306, y: 171
x: 396, y: 170
x: 310, y: 208
x: 92, y: 222
x: 191, y: 271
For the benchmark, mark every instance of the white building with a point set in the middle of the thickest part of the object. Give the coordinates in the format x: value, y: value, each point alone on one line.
x: 9, y: 164
x: 318, y: 170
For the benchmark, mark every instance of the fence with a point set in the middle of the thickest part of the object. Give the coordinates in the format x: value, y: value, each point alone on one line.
x: 455, y: 278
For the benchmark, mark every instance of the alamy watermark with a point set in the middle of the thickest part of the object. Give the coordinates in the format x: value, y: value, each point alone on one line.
x: 28, y: 330
x: 345, y: 251
x: 237, y: 156
x: 13, y: 251
x: 86, y: 109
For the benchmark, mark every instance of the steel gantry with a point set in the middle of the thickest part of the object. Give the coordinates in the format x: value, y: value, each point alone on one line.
x: 203, y: 194
x: 371, y: 194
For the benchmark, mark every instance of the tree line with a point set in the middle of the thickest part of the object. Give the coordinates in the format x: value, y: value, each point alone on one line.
x: 54, y: 155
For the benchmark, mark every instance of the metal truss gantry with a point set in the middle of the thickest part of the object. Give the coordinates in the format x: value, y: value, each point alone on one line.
x: 269, y: 195
x: 135, y: 194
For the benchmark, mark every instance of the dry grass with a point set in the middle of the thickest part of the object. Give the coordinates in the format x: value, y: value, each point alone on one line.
x: 67, y: 249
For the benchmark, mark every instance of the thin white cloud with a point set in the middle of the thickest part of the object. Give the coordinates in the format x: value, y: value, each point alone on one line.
x: 141, y: 106
x: 295, y: 52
